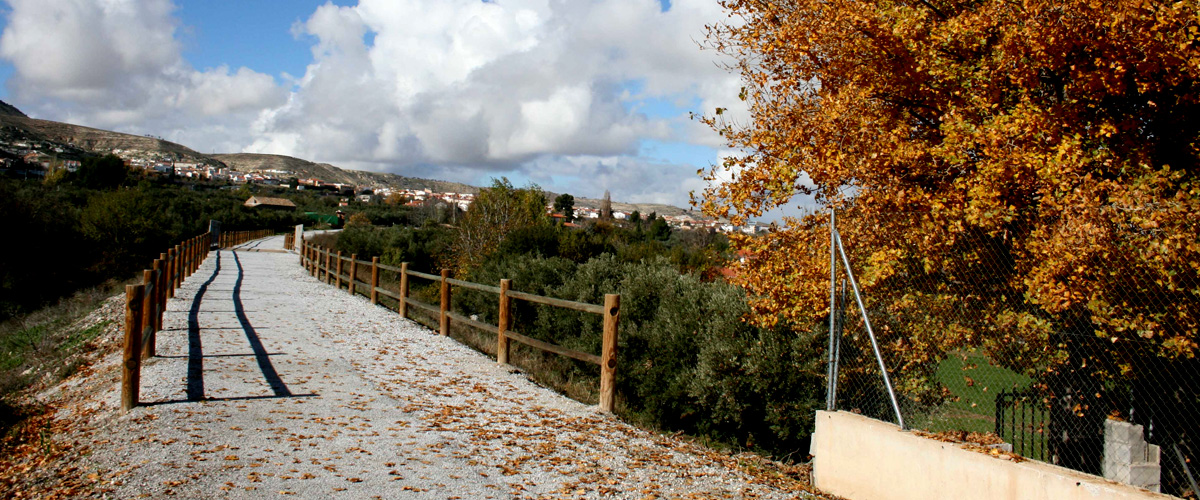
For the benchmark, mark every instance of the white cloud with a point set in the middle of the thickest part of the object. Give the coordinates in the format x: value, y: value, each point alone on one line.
x: 117, y: 63
x: 463, y: 82
x: 445, y: 88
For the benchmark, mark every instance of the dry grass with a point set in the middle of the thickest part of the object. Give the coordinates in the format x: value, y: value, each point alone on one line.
x: 37, y: 349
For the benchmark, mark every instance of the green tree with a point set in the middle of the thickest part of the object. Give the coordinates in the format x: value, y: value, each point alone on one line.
x: 565, y: 204
x: 496, y: 211
x: 659, y: 229
x: 106, y: 172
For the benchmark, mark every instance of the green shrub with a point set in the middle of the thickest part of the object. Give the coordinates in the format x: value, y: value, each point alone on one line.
x: 687, y: 360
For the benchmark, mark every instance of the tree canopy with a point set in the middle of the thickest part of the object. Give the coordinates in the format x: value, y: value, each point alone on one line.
x: 1033, y: 162
x: 565, y: 205
x: 496, y: 211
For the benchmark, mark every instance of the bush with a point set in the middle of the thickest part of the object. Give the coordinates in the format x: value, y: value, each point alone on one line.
x: 687, y: 361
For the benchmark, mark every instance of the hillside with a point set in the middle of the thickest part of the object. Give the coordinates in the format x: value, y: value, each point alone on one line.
x: 87, y: 138
x: 7, y: 109
x: 16, y: 126
x: 247, y: 162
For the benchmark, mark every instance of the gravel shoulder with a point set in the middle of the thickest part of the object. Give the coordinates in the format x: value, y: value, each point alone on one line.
x: 270, y: 383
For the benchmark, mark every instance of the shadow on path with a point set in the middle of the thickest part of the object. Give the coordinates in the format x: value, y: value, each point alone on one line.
x: 195, y: 378
x: 260, y: 353
x: 223, y: 355
x: 231, y: 398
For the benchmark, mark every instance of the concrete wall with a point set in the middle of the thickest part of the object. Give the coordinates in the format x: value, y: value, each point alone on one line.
x: 864, y: 459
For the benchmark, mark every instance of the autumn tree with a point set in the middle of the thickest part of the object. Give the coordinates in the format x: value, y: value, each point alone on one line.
x: 1033, y: 162
x: 496, y: 211
x: 395, y: 199
x: 358, y: 219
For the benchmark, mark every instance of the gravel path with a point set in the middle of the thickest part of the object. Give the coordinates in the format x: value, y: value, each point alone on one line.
x: 269, y: 383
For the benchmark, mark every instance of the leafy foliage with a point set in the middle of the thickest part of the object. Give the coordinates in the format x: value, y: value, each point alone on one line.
x: 495, y: 212
x: 688, y: 361
x: 565, y: 204
x: 68, y: 236
x: 1005, y: 155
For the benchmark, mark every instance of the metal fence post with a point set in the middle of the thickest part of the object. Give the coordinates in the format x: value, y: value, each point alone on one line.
x: 830, y: 405
x: 870, y: 332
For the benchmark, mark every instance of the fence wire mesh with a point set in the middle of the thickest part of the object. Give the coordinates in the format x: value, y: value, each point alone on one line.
x: 1071, y: 341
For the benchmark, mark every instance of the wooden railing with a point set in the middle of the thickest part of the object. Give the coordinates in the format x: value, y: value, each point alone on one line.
x: 328, y: 266
x: 144, y: 305
x: 234, y: 238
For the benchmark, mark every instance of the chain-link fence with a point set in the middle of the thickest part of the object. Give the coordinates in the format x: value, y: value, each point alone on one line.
x: 1071, y: 341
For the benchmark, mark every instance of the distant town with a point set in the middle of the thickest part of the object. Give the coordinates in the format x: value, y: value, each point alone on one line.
x: 37, y: 159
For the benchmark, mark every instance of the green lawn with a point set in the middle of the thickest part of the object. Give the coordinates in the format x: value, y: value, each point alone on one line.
x: 974, y: 384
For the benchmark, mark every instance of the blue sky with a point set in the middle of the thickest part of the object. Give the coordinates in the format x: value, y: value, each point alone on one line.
x: 257, y: 34
x: 580, y: 97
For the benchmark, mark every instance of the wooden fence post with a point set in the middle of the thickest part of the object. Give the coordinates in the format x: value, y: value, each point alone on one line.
x: 501, y: 338
x: 338, y: 278
x: 608, y: 355
x: 148, y: 312
x: 157, y: 293
x: 374, y: 280
x: 403, y: 308
x: 161, y: 289
x: 353, y: 271
x: 131, y: 360
x: 172, y: 261
x: 328, y: 262
x: 445, y: 318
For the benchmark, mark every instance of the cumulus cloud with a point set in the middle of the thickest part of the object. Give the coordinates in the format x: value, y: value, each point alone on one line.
x: 117, y: 63
x: 637, y: 180
x: 464, y: 82
x: 457, y: 89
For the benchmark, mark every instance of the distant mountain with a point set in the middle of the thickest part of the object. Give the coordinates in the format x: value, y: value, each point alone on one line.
x: 246, y: 162
x: 16, y: 126
x: 10, y: 110
x: 19, y: 126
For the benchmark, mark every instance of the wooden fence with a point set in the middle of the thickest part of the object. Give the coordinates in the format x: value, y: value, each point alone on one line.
x: 234, y: 238
x: 329, y: 266
x: 144, y: 305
